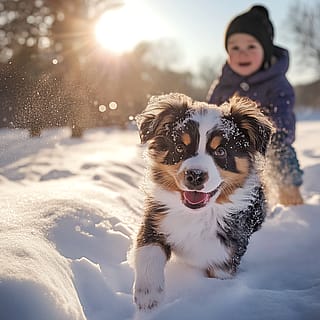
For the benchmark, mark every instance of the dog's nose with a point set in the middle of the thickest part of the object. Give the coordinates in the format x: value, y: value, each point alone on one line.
x: 195, y: 178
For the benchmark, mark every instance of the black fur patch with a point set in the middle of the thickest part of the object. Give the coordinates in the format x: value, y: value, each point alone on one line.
x: 239, y: 227
x: 233, y: 145
x: 149, y: 233
x: 169, y: 140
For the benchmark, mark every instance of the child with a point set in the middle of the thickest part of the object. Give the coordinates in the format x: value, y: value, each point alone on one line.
x: 256, y: 68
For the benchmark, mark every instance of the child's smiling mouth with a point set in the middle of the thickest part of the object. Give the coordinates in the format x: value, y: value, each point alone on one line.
x: 244, y: 64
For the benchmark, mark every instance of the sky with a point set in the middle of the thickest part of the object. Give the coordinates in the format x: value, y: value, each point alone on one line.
x: 70, y: 210
x: 197, y: 27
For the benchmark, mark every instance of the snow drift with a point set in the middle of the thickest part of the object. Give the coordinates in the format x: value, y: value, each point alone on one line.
x: 69, y: 212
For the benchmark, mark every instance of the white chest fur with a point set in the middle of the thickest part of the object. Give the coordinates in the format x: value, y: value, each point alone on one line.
x: 193, y: 237
x: 192, y: 234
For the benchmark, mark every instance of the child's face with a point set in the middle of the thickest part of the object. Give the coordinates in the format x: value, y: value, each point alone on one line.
x: 245, y: 54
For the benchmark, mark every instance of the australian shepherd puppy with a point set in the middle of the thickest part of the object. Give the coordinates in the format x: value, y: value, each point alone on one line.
x: 204, y: 197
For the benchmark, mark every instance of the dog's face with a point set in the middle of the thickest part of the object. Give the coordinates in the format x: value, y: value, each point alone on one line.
x: 202, y: 151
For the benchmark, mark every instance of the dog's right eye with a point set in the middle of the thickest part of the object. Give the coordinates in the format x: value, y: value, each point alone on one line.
x: 220, y: 152
x: 180, y: 148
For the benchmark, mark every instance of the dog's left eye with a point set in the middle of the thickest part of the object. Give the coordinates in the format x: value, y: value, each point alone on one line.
x: 220, y: 152
x: 180, y: 148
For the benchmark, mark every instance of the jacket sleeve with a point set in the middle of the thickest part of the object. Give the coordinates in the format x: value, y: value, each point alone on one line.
x: 280, y: 111
x: 282, y: 155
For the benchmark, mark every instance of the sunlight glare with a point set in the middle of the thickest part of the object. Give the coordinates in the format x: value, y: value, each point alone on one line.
x: 120, y: 30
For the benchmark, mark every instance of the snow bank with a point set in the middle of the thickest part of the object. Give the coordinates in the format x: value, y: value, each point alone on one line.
x: 69, y: 211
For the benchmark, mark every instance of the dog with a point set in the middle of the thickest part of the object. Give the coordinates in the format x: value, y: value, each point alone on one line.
x: 204, y: 197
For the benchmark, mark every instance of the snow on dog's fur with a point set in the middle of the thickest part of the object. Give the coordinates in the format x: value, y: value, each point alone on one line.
x: 204, y: 197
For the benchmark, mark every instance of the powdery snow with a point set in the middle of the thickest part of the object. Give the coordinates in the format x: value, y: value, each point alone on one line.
x: 69, y: 212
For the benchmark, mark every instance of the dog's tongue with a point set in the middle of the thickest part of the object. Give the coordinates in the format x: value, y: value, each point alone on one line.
x: 194, y: 197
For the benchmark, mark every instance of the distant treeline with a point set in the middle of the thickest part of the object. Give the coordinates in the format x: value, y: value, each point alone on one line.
x: 53, y: 73
x: 101, y: 91
x: 308, y: 95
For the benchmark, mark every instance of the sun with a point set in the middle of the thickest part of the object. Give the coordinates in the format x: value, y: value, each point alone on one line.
x: 120, y: 30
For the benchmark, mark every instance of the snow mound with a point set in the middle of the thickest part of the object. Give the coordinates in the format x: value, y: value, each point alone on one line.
x: 70, y: 209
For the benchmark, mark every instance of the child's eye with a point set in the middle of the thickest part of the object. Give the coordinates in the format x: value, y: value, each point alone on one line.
x: 234, y: 48
x: 252, y: 46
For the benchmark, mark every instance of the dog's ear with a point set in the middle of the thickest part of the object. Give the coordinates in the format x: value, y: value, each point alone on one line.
x: 248, y: 117
x: 160, y: 110
x: 149, y: 119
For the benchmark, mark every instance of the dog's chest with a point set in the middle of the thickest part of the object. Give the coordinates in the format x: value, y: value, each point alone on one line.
x: 193, y: 237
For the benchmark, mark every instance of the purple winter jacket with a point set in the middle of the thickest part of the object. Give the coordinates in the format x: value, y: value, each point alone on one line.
x: 269, y: 87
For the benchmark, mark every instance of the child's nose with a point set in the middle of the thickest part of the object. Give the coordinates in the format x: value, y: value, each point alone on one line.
x: 243, y: 52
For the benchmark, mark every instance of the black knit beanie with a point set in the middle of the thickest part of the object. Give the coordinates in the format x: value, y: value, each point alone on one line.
x: 255, y: 22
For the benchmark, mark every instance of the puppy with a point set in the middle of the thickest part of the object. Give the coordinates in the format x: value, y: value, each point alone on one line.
x: 204, y: 197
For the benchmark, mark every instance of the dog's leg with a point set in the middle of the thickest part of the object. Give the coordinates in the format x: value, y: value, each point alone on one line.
x: 149, y: 263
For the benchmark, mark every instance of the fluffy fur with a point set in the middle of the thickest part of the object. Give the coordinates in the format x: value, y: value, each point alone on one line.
x: 204, y: 197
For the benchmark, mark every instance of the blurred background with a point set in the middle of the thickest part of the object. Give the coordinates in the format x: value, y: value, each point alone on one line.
x: 90, y: 63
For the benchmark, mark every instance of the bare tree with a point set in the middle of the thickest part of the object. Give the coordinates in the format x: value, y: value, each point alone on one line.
x: 304, y: 24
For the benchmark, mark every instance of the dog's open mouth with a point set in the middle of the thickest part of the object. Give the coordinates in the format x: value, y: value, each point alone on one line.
x: 196, y: 199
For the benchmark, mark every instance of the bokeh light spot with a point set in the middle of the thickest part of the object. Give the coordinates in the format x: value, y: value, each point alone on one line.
x: 113, y: 105
x: 102, y: 108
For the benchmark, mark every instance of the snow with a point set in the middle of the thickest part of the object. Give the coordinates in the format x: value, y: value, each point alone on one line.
x: 70, y: 209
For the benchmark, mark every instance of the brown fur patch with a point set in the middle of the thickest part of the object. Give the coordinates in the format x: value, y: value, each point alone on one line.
x: 148, y: 233
x: 210, y: 273
x: 186, y: 139
x: 233, y: 180
x: 215, y: 142
x: 166, y: 175
x: 213, y: 270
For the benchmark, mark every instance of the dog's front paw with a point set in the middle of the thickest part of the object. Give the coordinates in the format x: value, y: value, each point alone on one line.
x: 148, y: 289
x: 148, y: 295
